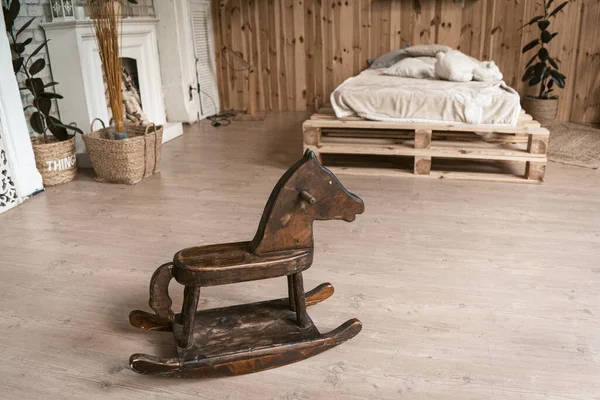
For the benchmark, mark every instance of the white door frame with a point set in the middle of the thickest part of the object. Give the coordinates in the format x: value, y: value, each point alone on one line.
x: 211, y: 51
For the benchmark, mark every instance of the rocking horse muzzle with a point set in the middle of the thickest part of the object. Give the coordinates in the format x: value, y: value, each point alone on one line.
x: 349, y: 206
x: 355, y: 206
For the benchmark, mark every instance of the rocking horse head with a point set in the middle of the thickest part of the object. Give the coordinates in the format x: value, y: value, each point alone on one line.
x: 305, y: 193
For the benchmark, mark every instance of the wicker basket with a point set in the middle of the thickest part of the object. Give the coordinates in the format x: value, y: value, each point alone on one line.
x: 542, y: 110
x: 127, y: 160
x: 55, y: 160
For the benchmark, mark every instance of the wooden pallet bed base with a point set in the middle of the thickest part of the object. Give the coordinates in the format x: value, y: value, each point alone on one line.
x: 527, y: 143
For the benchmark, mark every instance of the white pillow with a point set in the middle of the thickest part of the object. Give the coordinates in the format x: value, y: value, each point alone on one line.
x: 413, y: 67
x: 455, y: 66
x: 487, y: 71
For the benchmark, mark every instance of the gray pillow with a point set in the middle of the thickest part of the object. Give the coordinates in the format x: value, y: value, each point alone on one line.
x: 388, y: 59
x: 426, y: 50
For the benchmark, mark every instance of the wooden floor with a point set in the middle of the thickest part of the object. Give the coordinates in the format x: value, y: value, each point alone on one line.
x: 467, y: 290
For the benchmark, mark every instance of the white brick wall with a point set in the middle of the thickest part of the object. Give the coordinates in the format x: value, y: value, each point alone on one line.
x: 144, y: 8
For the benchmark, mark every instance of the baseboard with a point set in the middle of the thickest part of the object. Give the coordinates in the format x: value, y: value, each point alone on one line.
x: 172, y: 130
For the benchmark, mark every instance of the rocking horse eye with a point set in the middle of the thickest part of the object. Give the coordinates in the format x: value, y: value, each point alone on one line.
x: 331, y: 183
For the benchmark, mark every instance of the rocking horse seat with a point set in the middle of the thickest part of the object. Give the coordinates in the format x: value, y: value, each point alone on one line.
x: 221, y: 264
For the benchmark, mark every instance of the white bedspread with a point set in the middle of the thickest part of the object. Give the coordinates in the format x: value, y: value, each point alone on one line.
x: 378, y: 97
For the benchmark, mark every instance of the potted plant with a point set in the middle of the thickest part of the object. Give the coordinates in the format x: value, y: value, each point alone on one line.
x: 53, y: 147
x: 542, y: 69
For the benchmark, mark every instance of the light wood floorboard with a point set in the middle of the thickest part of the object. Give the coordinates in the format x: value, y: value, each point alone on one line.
x: 467, y: 290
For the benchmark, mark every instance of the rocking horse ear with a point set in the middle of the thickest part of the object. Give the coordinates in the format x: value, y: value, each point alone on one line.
x: 308, y: 154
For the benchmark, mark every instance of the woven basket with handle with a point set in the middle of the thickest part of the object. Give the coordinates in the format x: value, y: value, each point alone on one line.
x: 55, y: 160
x: 127, y: 160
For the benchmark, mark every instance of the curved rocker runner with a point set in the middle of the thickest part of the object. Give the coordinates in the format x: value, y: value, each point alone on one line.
x: 258, y: 336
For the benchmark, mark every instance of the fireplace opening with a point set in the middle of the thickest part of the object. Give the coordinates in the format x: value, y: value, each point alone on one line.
x: 132, y: 101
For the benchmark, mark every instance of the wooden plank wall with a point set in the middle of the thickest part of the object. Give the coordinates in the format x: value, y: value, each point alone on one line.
x: 303, y: 49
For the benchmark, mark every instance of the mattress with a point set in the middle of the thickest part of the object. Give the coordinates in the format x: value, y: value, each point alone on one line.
x: 379, y: 97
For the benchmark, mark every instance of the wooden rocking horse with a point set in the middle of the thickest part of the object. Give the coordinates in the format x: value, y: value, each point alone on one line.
x: 252, y: 337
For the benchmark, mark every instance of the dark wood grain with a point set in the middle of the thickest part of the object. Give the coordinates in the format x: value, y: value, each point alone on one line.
x: 302, y: 317
x: 150, y: 322
x: 227, y: 263
x: 290, y: 283
x: 238, y: 364
x: 287, y: 220
x: 251, y: 338
x: 191, y: 294
x: 160, y: 301
x: 147, y: 321
x: 319, y: 294
x: 258, y: 336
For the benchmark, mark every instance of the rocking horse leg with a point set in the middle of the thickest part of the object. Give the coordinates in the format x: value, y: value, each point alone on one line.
x: 188, y: 315
x: 290, y: 281
x: 300, y: 300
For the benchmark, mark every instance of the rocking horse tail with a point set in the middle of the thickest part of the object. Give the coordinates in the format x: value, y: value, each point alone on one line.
x: 160, y: 302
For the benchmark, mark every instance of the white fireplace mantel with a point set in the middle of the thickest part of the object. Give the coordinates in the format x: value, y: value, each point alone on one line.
x: 76, y: 66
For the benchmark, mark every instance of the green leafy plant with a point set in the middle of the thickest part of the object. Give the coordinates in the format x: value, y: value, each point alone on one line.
x: 40, y: 120
x: 543, y: 69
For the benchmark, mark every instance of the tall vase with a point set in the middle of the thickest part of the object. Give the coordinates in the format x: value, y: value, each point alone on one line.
x: 120, y: 131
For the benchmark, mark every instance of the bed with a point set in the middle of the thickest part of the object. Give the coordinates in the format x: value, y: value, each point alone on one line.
x: 449, y: 115
x: 375, y: 96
